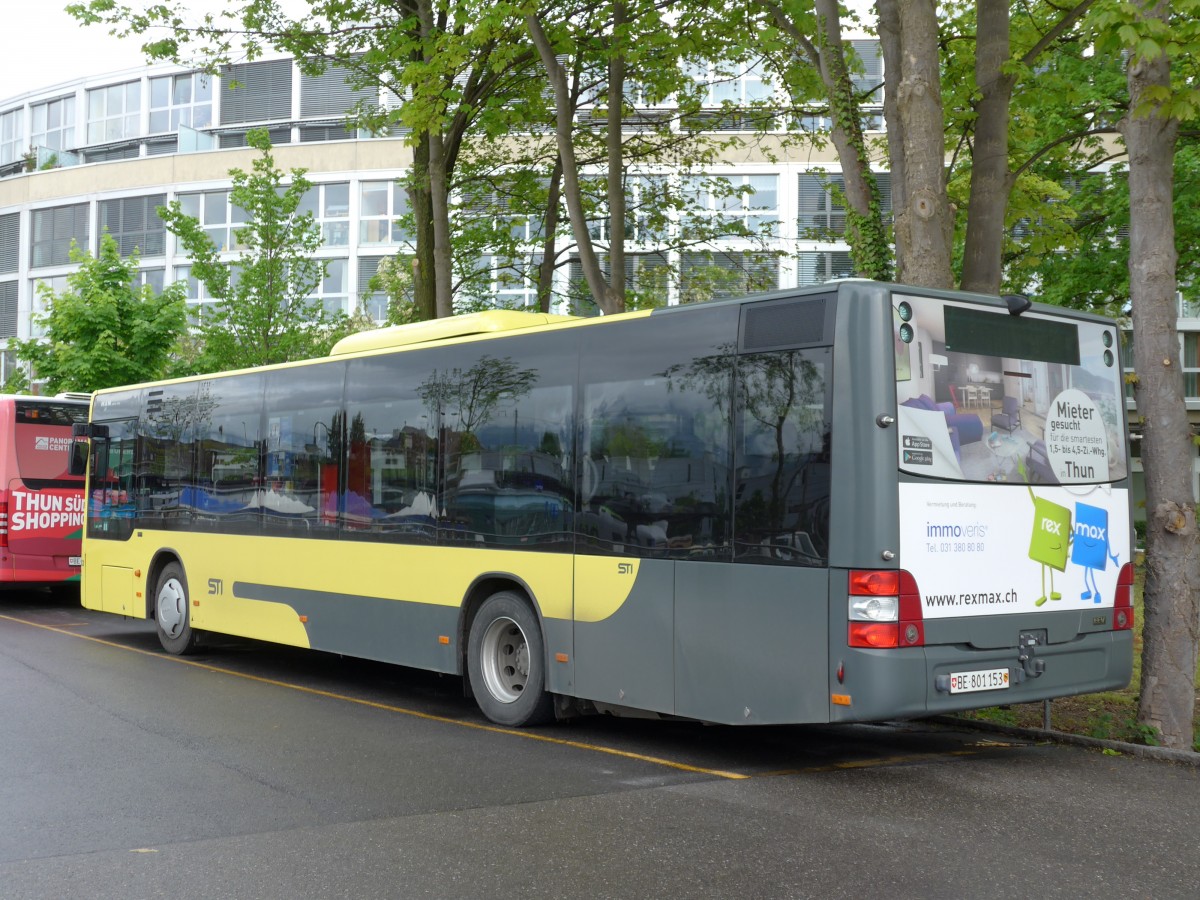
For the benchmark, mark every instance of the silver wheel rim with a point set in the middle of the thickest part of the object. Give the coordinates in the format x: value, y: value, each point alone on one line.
x: 171, y: 605
x: 505, y: 660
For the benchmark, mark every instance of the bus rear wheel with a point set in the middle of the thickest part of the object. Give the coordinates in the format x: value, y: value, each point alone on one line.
x: 506, y: 662
x: 171, y: 611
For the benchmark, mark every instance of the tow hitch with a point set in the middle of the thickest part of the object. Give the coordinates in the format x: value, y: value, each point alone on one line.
x: 1027, y: 645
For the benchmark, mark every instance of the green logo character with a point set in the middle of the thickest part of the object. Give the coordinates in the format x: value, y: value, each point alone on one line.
x: 1049, y: 544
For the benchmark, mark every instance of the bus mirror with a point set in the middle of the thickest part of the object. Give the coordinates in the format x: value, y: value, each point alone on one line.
x: 79, y: 457
x: 80, y: 430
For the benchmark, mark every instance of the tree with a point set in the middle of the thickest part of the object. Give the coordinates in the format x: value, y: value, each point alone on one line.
x: 1152, y: 34
x: 825, y: 54
x: 103, y: 330
x: 266, y: 312
x: 631, y: 90
x: 450, y: 62
x: 394, y: 280
x: 924, y: 223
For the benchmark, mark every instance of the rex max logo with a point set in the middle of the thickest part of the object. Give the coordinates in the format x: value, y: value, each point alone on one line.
x: 1051, y: 524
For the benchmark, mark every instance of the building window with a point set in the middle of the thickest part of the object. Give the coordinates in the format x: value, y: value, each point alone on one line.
x: 330, y: 208
x: 181, y: 100
x: 648, y: 201
x: 54, y: 124
x: 332, y: 291
x: 381, y: 205
x: 11, y: 136
x: 256, y: 92
x: 8, y: 309
x: 820, y: 216
x: 219, y: 218
x: 1191, y: 364
x: 513, y: 282
x: 732, y: 205
x: 735, y: 99
x: 869, y: 78
x: 134, y: 223
x: 10, y: 243
x: 649, y: 281
x: 719, y: 275
x: 821, y: 210
x: 199, y: 303
x: 823, y: 265
x: 38, y: 305
x: 332, y: 93
x: 55, y: 230
x: 154, y: 278
x: 113, y: 112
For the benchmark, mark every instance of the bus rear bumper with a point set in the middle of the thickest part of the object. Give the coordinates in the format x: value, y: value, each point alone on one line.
x: 38, y: 570
x: 935, y: 680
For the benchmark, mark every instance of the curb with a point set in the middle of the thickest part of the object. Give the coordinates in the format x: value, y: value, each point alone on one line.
x: 1162, y: 754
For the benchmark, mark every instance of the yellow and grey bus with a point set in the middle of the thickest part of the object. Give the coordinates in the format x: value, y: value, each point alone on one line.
x: 847, y: 503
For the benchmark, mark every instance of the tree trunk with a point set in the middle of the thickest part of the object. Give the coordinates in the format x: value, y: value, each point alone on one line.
x: 866, y: 234
x: 545, y: 283
x: 924, y: 225
x: 1171, y: 633
x: 865, y: 230
x: 421, y: 203
x: 889, y: 43
x: 439, y: 190
x: 989, y: 158
x: 564, y: 123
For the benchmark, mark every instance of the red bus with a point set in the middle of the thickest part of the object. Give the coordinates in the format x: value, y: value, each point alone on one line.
x: 41, y: 503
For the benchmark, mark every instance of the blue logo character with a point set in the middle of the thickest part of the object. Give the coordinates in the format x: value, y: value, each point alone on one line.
x: 1090, y: 548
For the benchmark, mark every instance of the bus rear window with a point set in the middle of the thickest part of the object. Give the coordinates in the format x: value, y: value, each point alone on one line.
x: 984, y: 396
x: 42, y: 439
x: 65, y: 415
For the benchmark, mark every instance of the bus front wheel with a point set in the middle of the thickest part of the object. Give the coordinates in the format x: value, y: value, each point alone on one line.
x: 506, y: 661
x: 171, y: 611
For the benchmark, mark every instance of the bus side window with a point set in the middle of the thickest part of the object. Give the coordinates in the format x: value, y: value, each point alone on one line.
x: 655, y: 452
x: 781, y: 492
x: 111, y: 506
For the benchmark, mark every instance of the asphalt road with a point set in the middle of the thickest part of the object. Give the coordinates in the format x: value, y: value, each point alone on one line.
x: 252, y: 771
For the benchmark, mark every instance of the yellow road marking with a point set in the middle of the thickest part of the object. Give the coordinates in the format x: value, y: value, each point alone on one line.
x: 528, y: 735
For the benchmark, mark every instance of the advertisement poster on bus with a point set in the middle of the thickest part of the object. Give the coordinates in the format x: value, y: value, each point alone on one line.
x: 1015, y: 428
x: 988, y: 549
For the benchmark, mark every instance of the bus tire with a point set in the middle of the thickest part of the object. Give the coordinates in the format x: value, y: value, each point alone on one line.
x: 506, y: 662
x: 172, y: 611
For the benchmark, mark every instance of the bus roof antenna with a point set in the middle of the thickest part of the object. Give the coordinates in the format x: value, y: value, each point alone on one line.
x: 1017, y: 303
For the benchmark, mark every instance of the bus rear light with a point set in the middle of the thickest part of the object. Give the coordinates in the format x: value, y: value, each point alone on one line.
x: 885, y: 610
x: 3, y: 518
x: 877, y: 635
x: 1123, y: 615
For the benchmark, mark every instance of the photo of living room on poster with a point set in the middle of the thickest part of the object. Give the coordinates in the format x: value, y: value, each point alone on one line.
x: 987, y: 397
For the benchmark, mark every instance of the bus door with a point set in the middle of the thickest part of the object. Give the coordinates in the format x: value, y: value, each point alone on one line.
x: 751, y: 631
x: 110, y: 513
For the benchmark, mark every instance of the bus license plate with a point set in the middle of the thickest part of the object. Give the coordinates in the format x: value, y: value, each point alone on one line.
x: 983, y: 680
x: 74, y: 560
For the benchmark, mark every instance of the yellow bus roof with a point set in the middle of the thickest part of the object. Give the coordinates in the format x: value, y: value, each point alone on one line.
x: 489, y: 322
